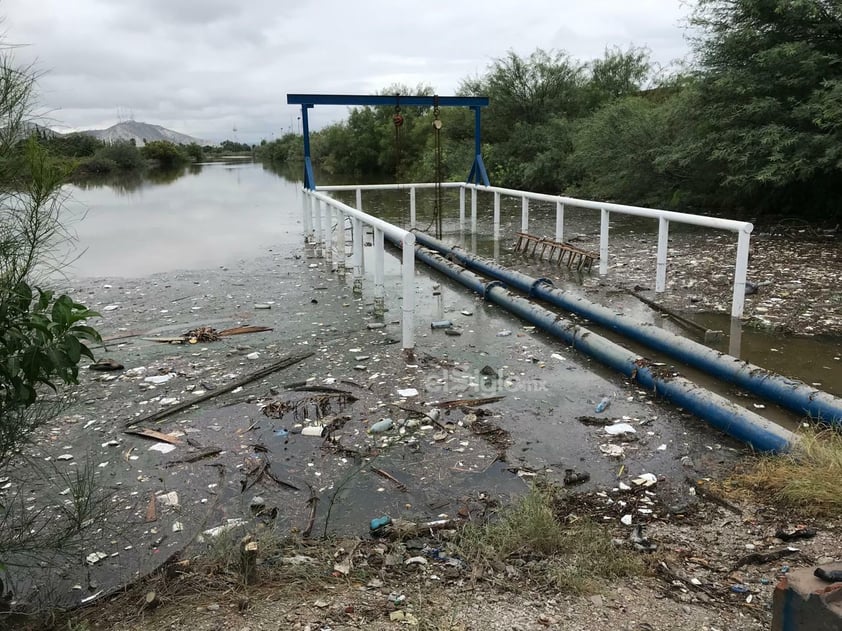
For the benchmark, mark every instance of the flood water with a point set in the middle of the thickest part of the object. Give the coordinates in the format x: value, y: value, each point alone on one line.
x: 218, y: 213
x: 211, y: 215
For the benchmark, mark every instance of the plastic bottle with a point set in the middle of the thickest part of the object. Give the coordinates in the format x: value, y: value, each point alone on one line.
x: 603, y: 404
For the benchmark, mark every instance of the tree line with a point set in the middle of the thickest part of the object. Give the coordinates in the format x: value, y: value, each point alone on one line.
x: 750, y: 126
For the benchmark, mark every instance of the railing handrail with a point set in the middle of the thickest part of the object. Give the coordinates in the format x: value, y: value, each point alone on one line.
x: 393, y: 231
x: 654, y: 213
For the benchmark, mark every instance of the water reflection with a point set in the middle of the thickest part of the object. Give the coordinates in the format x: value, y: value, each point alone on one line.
x: 202, y: 216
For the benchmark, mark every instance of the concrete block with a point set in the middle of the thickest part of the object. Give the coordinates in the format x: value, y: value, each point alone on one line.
x: 802, y: 602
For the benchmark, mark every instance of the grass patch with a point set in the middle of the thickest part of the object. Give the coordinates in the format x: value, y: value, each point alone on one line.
x: 578, y: 556
x: 807, y: 479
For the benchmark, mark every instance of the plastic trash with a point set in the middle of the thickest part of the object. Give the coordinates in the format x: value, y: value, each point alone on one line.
x: 619, y: 428
x: 832, y: 576
x: 603, y: 404
x: 383, y: 425
x: 441, y: 324
x: 377, y: 524
x: 571, y: 477
x: 313, y: 430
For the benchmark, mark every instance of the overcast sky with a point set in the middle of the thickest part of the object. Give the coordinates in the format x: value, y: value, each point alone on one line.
x: 206, y: 67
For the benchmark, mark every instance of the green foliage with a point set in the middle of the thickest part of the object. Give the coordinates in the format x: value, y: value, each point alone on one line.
x: 124, y: 154
x: 41, y: 336
x: 72, y: 145
x: 166, y: 154
x: 194, y: 151
x: 768, y: 102
x: 230, y: 146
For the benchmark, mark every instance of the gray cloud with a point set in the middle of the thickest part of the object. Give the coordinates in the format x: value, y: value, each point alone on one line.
x: 204, y: 67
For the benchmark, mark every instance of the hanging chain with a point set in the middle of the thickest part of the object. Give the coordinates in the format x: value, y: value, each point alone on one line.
x: 397, y: 119
x: 437, y: 207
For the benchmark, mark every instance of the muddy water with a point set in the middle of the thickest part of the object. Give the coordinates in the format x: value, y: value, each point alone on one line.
x: 816, y: 360
x: 204, y: 250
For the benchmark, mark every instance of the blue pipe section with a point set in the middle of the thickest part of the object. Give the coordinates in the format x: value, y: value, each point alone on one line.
x: 742, y: 424
x: 791, y: 394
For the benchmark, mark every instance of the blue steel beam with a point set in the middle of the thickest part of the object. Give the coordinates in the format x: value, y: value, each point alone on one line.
x: 367, y: 99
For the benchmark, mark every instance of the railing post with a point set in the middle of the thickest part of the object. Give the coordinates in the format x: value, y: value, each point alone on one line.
x: 411, y: 207
x: 741, y: 271
x: 357, y: 227
x: 408, y: 303
x: 317, y: 207
x: 359, y: 197
x: 305, y: 215
x: 603, y: 242
x: 462, y: 206
x: 524, y: 214
x: 379, y: 288
x: 559, y: 222
x: 340, y: 243
x: 329, y: 236
x: 474, y: 209
x: 663, y: 244
x: 496, y: 214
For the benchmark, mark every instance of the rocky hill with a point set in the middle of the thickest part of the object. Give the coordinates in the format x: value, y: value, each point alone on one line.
x: 141, y: 133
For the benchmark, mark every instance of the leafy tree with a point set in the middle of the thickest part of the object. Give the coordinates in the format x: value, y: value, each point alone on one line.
x: 165, y: 153
x: 194, y: 151
x: 125, y: 155
x: 768, y: 119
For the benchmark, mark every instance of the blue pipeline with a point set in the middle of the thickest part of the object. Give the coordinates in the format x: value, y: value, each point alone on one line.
x: 788, y: 393
x: 742, y: 424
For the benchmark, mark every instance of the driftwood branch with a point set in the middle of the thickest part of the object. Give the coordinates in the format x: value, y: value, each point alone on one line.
x: 178, y: 407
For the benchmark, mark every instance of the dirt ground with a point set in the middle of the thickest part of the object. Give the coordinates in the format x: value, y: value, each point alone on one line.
x: 698, y: 578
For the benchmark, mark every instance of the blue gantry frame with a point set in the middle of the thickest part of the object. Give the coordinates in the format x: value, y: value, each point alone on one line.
x: 478, y: 175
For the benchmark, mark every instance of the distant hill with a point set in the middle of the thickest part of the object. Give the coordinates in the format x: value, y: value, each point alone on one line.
x: 141, y: 133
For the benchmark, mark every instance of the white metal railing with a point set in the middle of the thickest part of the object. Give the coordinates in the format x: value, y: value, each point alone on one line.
x: 743, y: 229
x: 321, y: 212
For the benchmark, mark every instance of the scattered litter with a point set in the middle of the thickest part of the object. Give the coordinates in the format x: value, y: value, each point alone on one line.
x: 613, y: 451
x: 164, y: 448
x: 313, y: 430
x: 639, y: 541
x: 801, y: 532
x: 254, y: 355
x: 104, y: 364
x: 376, y: 325
x: 572, y: 477
x: 416, y: 561
x: 441, y: 324
x: 65, y: 457
x: 504, y: 333
x: 645, y: 480
x: 383, y: 425
x: 560, y: 358
x: 603, y: 404
x: 466, y: 312
x: 169, y: 499
x: 262, y: 305
x: 408, y: 392
x: 229, y: 525
x: 95, y: 557
x: 110, y: 307
x: 159, y: 379
x: 830, y: 576
x: 619, y: 428
x: 453, y: 332
x: 626, y: 520
x: 661, y: 448
x: 177, y: 526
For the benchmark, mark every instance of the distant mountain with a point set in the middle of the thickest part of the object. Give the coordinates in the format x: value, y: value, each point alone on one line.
x: 141, y: 133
